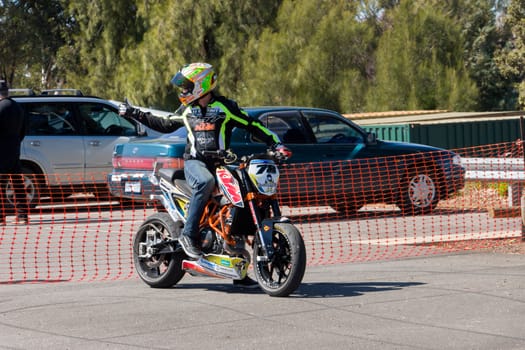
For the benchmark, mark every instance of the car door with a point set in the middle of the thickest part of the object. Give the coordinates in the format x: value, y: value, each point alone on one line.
x: 103, y: 128
x: 335, y: 138
x: 53, y: 140
x: 358, y: 169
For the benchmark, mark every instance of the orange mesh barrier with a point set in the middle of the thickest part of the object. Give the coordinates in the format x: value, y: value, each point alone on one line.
x: 88, y: 236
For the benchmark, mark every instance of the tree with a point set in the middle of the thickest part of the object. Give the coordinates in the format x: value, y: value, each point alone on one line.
x: 214, y: 31
x: 419, y: 62
x: 511, y: 58
x: 32, y: 32
x: 101, y: 29
x: 483, y: 37
x: 316, y: 55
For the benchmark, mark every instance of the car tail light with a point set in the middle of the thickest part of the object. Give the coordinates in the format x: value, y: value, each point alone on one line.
x: 146, y: 163
x: 167, y: 162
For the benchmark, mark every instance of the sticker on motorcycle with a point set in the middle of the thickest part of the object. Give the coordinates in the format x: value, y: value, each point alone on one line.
x: 229, y: 186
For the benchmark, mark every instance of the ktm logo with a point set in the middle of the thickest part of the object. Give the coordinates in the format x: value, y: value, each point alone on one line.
x: 205, y: 127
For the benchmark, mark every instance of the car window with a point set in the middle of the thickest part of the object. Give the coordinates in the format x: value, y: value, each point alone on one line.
x: 287, y: 125
x: 329, y: 129
x: 50, y: 119
x: 98, y: 119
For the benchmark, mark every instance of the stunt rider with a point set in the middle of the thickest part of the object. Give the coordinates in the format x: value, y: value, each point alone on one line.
x: 209, y: 119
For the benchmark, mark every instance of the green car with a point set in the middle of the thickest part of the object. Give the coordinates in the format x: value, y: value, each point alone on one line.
x: 335, y: 163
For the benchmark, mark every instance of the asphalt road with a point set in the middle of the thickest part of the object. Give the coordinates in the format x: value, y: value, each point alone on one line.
x: 463, y: 301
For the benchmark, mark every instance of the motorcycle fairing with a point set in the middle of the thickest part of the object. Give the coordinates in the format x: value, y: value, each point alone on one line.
x: 264, y: 175
x: 217, y: 266
x: 176, y: 208
x: 229, y: 186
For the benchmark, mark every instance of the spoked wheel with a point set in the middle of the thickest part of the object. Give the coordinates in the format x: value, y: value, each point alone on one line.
x: 31, y: 188
x: 283, y: 274
x: 420, y: 194
x: 158, y: 265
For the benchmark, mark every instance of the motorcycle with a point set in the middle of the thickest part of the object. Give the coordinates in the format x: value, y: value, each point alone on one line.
x: 242, y: 212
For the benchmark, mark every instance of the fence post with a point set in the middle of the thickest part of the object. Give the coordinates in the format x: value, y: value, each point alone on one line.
x: 522, y: 134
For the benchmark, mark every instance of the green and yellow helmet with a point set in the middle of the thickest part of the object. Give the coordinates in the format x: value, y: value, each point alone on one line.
x: 194, y: 80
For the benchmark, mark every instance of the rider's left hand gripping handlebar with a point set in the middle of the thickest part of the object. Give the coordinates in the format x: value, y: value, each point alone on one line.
x: 281, y: 152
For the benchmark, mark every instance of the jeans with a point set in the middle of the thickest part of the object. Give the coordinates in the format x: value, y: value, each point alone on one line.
x: 202, y: 181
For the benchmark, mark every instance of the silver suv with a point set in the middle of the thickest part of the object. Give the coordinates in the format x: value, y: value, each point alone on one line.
x: 69, y: 142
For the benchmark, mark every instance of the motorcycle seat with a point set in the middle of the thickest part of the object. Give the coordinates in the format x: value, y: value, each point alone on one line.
x: 171, y: 174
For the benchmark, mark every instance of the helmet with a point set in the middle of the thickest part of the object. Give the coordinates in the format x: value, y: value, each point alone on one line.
x: 195, y: 80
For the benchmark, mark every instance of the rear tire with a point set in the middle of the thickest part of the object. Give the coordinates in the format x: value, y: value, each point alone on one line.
x: 283, y: 274
x: 159, y: 270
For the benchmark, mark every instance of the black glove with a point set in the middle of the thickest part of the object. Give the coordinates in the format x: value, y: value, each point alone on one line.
x: 126, y: 110
x: 282, y: 152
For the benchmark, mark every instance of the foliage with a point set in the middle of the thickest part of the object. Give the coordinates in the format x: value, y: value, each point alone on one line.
x: 32, y: 32
x: 351, y: 56
x: 300, y: 61
x: 101, y: 29
x: 420, y: 63
x: 511, y: 58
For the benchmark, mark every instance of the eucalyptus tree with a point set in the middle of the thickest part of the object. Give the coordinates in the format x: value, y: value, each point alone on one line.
x: 419, y: 62
x: 32, y: 31
x: 101, y: 28
x: 176, y: 33
x: 316, y: 55
x: 511, y: 58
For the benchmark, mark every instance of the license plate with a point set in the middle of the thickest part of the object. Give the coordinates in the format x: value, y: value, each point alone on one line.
x: 132, y: 187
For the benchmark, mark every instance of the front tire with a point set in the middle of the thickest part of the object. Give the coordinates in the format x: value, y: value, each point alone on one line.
x: 419, y: 193
x: 160, y: 270
x: 283, y: 274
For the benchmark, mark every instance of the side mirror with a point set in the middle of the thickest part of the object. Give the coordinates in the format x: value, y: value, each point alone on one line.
x: 371, y: 138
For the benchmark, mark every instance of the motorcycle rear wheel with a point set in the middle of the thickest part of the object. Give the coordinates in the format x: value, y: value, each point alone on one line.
x: 160, y: 270
x: 283, y: 274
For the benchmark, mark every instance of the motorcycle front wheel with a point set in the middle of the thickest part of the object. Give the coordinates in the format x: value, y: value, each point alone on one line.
x: 281, y: 275
x: 162, y: 269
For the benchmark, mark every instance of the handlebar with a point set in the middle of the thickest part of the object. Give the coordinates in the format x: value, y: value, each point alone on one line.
x: 225, y: 155
x: 229, y: 157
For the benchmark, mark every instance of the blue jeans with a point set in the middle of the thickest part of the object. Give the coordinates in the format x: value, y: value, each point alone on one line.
x: 202, y: 181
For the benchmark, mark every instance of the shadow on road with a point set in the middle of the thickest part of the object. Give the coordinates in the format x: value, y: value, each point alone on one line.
x: 310, y: 290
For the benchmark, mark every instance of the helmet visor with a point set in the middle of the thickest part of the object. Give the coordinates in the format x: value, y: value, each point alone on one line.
x: 183, y: 83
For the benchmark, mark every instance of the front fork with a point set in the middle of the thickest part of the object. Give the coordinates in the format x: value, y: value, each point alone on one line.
x: 265, y: 228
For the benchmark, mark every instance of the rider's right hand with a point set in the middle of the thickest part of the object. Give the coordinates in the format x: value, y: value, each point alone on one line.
x: 126, y: 110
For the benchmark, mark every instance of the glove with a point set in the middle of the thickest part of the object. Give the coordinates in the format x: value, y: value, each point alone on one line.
x: 126, y: 110
x: 282, y: 152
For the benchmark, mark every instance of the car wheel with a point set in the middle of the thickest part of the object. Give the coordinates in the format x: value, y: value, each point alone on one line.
x: 419, y: 193
x: 30, y: 187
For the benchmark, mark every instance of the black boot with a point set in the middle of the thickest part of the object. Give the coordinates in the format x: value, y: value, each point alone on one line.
x: 190, y: 248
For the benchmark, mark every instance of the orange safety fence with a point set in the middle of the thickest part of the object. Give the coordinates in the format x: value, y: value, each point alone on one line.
x: 347, y: 211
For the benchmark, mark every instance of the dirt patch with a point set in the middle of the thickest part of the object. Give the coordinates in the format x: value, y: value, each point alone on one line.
x: 503, y: 245
x: 476, y: 196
